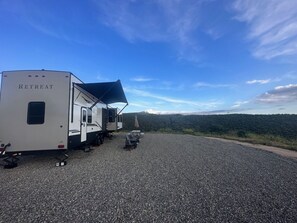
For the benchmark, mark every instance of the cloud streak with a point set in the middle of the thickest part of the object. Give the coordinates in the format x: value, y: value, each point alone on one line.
x: 272, y: 26
x: 142, y: 79
x: 210, y: 104
x: 172, y: 22
x: 208, y: 85
x: 259, y: 81
x: 42, y: 17
x: 238, y: 104
x: 279, y: 95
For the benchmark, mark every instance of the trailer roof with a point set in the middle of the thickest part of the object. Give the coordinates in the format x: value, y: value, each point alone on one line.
x: 107, y: 92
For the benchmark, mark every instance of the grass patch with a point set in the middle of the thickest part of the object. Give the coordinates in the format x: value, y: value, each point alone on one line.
x: 189, y: 131
x: 242, y: 136
x: 265, y: 139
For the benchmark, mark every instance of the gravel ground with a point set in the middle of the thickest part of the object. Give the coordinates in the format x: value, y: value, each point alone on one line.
x: 168, y: 178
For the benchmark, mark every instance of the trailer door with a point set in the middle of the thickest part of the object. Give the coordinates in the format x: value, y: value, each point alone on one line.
x: 83, y: 125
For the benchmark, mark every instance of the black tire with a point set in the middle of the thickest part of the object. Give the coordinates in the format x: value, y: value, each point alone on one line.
x: 101, y: 139
x: 10, y: 166
x: 97, y: 141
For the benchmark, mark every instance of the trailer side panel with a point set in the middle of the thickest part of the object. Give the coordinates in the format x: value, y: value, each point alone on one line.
x: 34, y: 110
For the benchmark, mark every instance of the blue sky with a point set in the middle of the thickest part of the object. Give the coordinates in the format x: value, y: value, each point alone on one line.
x: 172, y: 56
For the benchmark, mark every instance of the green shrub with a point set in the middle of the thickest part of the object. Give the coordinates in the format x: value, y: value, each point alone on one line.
x: 166, y: 130
x: 241, y: 134
x: 189, y: 131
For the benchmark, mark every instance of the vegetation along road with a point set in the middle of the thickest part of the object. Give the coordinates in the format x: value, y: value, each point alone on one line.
x: 167, y: 178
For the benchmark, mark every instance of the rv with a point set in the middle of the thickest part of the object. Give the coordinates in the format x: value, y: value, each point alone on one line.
x: 115, y: 120
x: 43, y: 110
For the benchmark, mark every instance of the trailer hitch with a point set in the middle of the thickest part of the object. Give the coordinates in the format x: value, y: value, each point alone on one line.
x: 10, y: 159
x: 3, y: 148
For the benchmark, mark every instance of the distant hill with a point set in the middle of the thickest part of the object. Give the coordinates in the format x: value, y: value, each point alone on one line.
x: 284, y: 125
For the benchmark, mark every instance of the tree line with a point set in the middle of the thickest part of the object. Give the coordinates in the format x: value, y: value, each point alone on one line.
x: 283, y: 125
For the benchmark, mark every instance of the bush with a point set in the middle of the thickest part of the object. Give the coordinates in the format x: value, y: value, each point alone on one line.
x: 241, y: 134
x: 189, y: 131
x: 219, y: 129
x: 166, y: 130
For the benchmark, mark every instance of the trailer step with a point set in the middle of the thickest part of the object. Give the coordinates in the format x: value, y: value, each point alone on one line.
x: 62, y: 163
x: 62, y: 159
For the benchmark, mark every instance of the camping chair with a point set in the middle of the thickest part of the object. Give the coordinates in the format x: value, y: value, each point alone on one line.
x: 131, y: 141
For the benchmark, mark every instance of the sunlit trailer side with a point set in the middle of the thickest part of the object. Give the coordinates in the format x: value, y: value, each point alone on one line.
x: 44, y: 110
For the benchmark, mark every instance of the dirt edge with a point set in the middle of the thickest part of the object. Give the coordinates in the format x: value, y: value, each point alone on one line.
x: 279, y: 151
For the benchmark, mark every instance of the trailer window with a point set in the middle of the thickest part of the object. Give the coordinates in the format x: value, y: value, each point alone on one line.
x: 35, y: 114
x: 112, y: 115
x: 84, y: 118
x: 89, y: 115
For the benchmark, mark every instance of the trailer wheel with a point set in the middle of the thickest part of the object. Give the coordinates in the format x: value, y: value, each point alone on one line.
x: 97, y: 142
x: 101, y: 139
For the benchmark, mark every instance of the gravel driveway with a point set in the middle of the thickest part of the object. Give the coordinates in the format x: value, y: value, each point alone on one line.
x: 168, y: 178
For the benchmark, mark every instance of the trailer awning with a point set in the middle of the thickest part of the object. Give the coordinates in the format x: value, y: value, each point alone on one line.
x: 107, y: 92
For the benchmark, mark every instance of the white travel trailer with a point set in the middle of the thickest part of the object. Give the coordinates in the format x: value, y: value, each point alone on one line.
x: 44, y: 110
x: 115, y: 120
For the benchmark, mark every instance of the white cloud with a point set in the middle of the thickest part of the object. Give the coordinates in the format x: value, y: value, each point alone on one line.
x: 44, y: 18
x: 205, y: 105
x: 280, y: 99
x: 289, y: 86
x: 259, y: 81
x: 60, y: 33
x: 142, y: 79
x: 140, y: 105
x: 213, y: 33
x: 173, y: 22
x: 208, y: 85
x: 272, y: 25
x: 159, y: 112
x: 149, y: 85
x: 100, y: 77
x: 279, y: 95
x: 287, y: 76
x: 238, y: 104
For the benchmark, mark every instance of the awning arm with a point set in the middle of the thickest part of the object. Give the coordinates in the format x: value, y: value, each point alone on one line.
x: 122, y: 109
x: 99, y: 99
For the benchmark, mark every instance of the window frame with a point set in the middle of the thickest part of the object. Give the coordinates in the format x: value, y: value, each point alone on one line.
x: 84, y: 116
x: 36, y: 115
x: 111, y: 115
x: 89, y: 115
